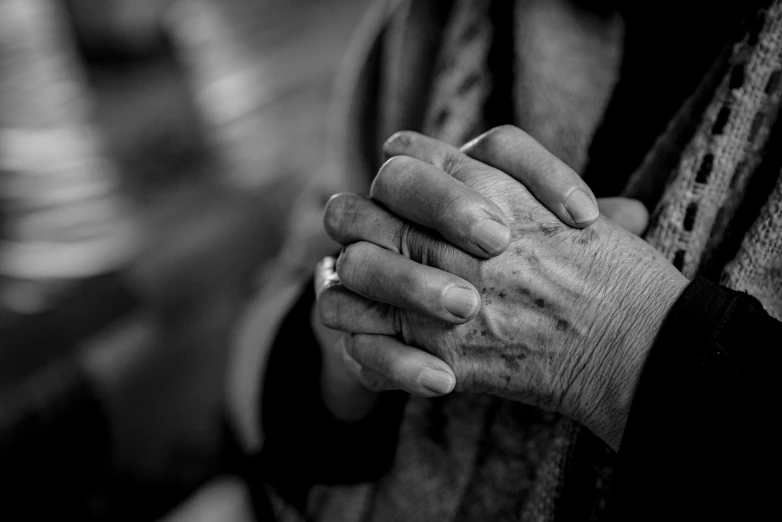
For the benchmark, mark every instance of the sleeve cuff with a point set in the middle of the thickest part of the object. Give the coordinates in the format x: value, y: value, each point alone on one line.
x: 692, y: 445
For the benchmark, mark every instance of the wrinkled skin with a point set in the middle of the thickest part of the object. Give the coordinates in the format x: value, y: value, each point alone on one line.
x: 567, y: 315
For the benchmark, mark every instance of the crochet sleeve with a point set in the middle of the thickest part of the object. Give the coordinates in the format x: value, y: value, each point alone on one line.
x: 701, y: 442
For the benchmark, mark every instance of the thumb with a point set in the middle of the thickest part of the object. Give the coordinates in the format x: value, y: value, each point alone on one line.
x: 630, y: 214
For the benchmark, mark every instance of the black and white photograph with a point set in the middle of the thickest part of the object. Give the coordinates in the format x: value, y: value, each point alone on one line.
x: 390, y: 260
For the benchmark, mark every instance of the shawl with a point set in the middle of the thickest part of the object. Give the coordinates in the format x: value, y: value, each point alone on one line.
x: 711, y: 177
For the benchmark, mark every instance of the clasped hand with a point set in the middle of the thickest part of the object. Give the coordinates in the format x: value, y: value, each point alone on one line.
x: 488, y: 270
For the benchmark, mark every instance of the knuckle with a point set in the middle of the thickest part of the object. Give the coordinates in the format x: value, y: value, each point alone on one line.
x: 361, y: 348
x: 500, y: 134
x: 382, y: 365
x: 356, y: 265
x: 349, y: 260
x: 340, y: 213
x: 504, y: 131
x: 394, y: 176
x: 493, y: 138
x: 424, y: 248
x: 397, y: 164
x: 365, y: 349
x: 373, y: 381
x: 398, y: 140
x: 350, y: 352
x: 392, y: 168
x: 402, y: 237
x: 397, y: 320
x: 450, y: 162
x: 333, y: 213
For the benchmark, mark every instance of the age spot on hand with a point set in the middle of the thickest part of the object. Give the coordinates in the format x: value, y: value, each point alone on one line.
x: 537, y: 301
x: 586, y: 236
x: 550, y: 230
x: 562, y: 325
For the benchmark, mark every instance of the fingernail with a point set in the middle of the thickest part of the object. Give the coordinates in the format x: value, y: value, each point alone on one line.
x: 491, y: 236
x: 581, y: 207
x: 436, y: 381
x: 460, y: 301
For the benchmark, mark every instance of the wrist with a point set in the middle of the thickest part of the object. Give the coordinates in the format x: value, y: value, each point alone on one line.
x: 644, y: 304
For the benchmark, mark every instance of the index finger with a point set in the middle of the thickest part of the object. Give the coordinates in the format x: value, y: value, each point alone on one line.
x: 424, y: 194
x: 558, y: 187
x: 517, y: 154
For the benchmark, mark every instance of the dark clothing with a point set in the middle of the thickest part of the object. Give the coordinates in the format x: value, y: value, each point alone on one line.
x: 698, y: 443
x: 701, y: 440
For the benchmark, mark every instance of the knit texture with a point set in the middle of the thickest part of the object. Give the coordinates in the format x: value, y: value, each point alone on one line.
x: 709, y: 182
x: 757, y: 268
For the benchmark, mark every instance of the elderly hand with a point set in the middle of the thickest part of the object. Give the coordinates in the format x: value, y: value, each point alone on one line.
x: 562, y: 319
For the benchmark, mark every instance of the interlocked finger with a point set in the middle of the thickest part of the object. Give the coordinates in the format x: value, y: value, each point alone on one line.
x: 381, y: 362
x: 387, y: 277
x: 424, y: 194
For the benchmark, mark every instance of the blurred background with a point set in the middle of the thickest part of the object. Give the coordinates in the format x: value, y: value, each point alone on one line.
x: 150, y: 155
